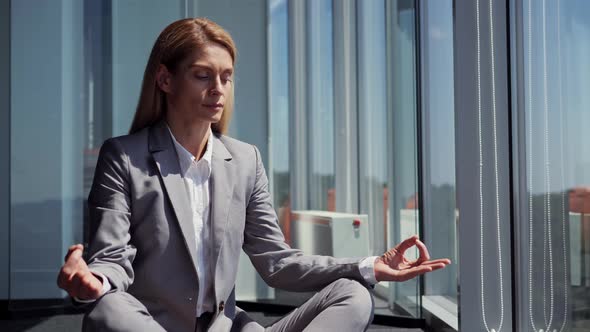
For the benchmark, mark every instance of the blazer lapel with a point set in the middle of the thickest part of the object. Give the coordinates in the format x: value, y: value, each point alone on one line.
x: 164, y: 154
x: 222, y: 186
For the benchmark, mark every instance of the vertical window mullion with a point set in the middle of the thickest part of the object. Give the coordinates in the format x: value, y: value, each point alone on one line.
x: 298, y: 104
x: 345, y: 106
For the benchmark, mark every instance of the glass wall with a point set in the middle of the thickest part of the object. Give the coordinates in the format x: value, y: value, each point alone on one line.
x: 278, y: 62
x: 372, y: 93
x: 65, y: 103
x: 408, y: 117
x: 320, y: 109
x: 373, y: 76
x: 85, y: 89
x: 46, y: 163
x: 555, y: 232
x: 438, y: 150
x: 483, y: 169
x: 402, y: 128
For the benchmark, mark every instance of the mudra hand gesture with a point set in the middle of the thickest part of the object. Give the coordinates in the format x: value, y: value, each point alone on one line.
x: 75, y: 277
x: 393, y: 266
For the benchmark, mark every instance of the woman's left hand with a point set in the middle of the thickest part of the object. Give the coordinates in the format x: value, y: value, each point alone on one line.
x: 393, y: 266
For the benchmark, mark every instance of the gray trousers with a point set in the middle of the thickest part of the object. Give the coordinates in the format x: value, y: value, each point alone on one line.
x: 344, y: 305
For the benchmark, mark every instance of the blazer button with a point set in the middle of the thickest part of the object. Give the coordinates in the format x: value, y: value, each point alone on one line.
x: 221, y: 305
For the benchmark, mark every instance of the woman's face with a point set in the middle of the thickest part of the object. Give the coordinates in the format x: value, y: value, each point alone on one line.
x: 201, y: 85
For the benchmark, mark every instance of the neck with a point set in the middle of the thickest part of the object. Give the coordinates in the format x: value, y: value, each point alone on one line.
x: 192, y: 135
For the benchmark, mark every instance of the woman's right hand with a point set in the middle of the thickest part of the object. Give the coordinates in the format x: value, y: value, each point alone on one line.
x: 75, y: 277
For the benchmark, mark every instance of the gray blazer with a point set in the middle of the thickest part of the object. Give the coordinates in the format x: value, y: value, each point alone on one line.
x: 142, y: 237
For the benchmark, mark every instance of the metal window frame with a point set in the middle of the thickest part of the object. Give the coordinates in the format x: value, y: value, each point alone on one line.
x: 5, y: 21
x: 346, y: 154
x: 298, y: 141
x: 518, y: 150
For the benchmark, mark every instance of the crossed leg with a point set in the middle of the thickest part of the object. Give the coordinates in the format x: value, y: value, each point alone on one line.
x: 344, y: 305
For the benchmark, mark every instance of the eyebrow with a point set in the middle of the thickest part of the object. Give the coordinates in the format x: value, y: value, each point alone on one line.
x: 231, y: 70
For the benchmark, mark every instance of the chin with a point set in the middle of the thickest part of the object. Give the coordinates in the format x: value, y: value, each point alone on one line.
x: 217, y: 117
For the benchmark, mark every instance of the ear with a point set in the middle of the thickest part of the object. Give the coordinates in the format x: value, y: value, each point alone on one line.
x: 164, y: 79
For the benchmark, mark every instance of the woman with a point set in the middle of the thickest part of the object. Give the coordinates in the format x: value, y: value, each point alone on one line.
x: 174, y: 202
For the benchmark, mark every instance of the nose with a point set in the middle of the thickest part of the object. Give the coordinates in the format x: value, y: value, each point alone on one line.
x: 216, y: 86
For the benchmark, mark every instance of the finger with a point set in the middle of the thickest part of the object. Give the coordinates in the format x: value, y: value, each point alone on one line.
x: 73, y: 285
x: 424, y: 255
x: 71, y: 249
x: 444, y: 261
x: 436, y: 261
x: 89, y: 287
x: 61, y: 279
x: 406, y: 244
x: 74, y: 257
x: 437, y: 266
x: 414, y: 272
x: 70, y: 268
x: 74, y: 246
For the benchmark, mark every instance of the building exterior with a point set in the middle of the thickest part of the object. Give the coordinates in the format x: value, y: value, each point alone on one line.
x: 462, y: 121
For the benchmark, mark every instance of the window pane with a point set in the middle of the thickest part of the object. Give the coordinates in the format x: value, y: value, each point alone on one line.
x: 555, y: 241
x: 372, y: 87
x: 321, y: 106
x: 483, y: 174
x: 279, y: 111
x: 438, y: 132
x: 403, y: 297
x: 82, y: 91
x: 47, y: 143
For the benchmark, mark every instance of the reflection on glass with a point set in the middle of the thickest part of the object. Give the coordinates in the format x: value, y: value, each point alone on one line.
x: 321, y: 106
x: 556, y: 43
x: 46, y: 137
x: 279, y: 112
x: 372, y: 89
x: 55, y: 136
x: 403, y: 298
x: 439, y: 151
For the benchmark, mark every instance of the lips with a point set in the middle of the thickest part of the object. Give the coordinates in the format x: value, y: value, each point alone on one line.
x: 217, y: 105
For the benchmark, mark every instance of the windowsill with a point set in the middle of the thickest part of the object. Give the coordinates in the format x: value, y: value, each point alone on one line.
x: 443, y: 308
x: 440, y: 311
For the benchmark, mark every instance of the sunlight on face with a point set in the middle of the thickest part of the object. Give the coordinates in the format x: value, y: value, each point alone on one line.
x: 202, y: 85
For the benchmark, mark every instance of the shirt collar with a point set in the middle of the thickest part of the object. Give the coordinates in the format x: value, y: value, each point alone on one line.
x: 186, y: 159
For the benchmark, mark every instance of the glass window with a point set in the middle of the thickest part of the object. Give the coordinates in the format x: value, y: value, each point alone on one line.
x: 372, y: 99
x: 438, y: 149
x: 483, y: 174
x: 63, y: 105
x: 319, y: 80
x: 555, y: 240
x: 279, y: 111
x: 47, y: 148
x: 403, y: 298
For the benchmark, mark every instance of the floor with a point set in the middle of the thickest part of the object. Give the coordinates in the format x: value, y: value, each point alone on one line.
x: 74, y: 323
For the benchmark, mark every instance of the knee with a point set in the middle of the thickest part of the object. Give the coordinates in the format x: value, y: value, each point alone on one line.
x: 110, y: 312
x: 357, y: 298
x: 106, y: 306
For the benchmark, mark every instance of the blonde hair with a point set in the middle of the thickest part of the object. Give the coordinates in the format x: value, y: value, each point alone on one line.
x: 175, y: 43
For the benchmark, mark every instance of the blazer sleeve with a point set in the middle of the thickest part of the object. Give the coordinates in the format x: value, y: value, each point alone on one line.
x: 109, y: 204
x: 279, y: 265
